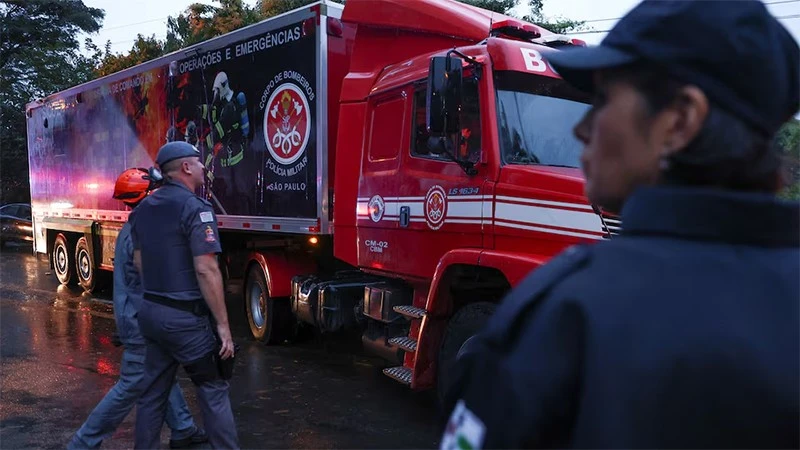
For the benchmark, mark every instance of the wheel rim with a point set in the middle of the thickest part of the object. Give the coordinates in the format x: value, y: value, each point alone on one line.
x: 84, y: 265
x: 257, y: 306
x: 61, y: 260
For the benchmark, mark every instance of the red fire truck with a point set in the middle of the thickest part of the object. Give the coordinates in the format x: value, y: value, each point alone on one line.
x: 389, y: 167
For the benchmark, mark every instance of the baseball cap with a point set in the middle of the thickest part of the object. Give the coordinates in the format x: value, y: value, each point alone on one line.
x: 735, y: 51
x: 175, y: 150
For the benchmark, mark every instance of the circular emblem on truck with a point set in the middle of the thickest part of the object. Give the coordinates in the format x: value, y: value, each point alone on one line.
x: 287, y: 123
x: 435, y: 207
x: 376, y: 208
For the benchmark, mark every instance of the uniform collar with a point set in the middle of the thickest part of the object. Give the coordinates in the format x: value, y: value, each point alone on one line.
x: 177, y: 184
x: 705, y: 214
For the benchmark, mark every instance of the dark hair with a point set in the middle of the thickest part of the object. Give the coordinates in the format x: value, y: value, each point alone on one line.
x: 726, y: 153
x: 171, y: 166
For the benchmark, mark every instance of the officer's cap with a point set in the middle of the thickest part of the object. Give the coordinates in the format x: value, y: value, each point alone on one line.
x: 175, y: 150
x: 736, y: 52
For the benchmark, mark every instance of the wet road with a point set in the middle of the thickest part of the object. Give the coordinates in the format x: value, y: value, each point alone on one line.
x: 57, y: 361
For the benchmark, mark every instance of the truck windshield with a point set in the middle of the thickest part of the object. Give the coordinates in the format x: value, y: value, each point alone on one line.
x: 536, y: 116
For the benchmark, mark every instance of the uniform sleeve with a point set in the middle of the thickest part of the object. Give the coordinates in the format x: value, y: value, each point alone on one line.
x: 135, y: 243
x: 523, y: 395
x: 126, y: 253
x: 200, y: 226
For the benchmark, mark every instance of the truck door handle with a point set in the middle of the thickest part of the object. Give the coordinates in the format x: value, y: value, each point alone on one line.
x: 405, y: 211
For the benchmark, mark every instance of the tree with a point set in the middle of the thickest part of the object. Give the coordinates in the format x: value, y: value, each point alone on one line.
x: 201, y: 22
x: 38, y: 56
x: 558, y: 25
x: 143, y: 50
x: 498, y: 6
x: 270, y: 8
x: 198, y: 23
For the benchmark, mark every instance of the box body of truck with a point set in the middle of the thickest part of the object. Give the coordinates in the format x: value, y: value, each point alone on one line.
x: 255, y: 102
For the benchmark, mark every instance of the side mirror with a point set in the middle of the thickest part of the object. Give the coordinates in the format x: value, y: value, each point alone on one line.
x: 445, y: 81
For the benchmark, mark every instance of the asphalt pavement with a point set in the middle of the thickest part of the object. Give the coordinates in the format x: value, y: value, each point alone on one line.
x: 57, y: 360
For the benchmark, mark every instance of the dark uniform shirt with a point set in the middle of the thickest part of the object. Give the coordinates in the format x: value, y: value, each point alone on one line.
x: 682, y: 332
x: 127, y: 290
x: 171, y: 227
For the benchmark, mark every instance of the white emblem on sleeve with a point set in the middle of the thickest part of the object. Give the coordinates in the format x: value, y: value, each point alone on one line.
x: 206, y: 216
x: 464, y: 430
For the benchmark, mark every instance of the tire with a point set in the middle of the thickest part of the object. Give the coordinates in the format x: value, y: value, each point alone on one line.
x: 269, y: 318
x: 464, y: 324
x: 63, y: 260
x: 85, y: 268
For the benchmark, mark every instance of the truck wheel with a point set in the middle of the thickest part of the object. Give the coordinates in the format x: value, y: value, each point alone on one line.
x: 63, y: 260
x: 269, y: 318
x: 464, y: 324
x: 84, y: 263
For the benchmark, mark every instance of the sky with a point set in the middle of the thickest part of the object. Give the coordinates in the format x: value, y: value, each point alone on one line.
x: 125, y: 19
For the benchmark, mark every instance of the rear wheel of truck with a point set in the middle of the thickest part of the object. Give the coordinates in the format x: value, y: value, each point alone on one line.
x: 464, y: 324
x: 269, y: 318
x: 84, y: 264
x: 63, y: 260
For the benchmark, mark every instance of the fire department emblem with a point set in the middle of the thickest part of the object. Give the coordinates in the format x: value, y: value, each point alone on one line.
x: 435, y: 207
x: 287, y: 123
x: 376, y: 208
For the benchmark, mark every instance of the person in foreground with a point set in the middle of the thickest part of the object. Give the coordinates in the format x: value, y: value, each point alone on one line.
x: 131, y: 187
x: 175, y: 241
x: 682, y: 332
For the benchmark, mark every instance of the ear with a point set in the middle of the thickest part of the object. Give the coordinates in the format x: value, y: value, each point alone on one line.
x: 689, y: 112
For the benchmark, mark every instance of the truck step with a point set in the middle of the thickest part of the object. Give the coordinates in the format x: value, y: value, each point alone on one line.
x: 399, y: 373
x: 404, y: 342
x: 412, y: 312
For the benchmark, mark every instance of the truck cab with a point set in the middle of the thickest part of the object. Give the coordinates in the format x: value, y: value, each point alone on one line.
x: 467, y: 170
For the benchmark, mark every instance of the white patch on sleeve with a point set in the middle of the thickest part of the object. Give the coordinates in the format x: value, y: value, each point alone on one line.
x: 206, y: 216
x: 464, y: 430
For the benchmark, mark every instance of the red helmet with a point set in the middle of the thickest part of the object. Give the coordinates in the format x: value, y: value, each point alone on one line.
x: 132, y: 186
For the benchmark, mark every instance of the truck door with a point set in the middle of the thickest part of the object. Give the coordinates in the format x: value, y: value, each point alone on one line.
x: 378, y: 215
x: 436, y: 207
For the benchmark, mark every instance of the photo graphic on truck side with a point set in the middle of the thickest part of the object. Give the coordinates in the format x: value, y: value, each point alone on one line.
x: 253, y: 114
x: 249, y: 106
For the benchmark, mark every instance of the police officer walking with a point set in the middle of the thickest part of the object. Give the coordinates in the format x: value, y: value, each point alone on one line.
x: 175, y: 242
x: 131, y: 187
x: 683, y: 331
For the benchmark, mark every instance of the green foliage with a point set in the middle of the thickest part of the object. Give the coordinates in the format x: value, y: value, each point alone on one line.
x: 143, y: 50
x: 38, y: 56
x: 498, y: 6
x: 201, y: 22
x: 556, y: 24
x: 198, y: 23
x: 270, y: 8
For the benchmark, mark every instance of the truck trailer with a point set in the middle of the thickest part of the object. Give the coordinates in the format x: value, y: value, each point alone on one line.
x: 389, y: 168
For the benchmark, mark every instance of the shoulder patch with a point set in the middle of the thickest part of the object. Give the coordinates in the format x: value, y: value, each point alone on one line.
x: 464, y: 430
x: 206, y: 216
x: 210, y: 234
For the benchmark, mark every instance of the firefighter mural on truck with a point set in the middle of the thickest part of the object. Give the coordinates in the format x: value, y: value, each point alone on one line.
x: 226, y: 143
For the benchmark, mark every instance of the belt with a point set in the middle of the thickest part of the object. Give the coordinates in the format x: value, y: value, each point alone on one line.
x: 196, y: 307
